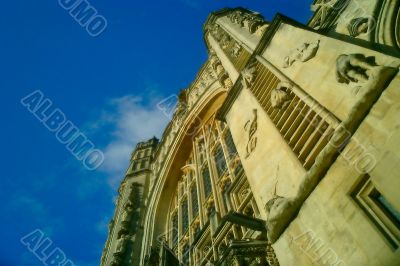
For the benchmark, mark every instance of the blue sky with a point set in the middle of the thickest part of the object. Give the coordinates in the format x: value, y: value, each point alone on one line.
x: 108, y: 86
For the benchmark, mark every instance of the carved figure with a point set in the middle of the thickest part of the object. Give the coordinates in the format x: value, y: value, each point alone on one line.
x: 353, y: 68
x: 249, y: 75
x: 261, y: 29
x: 225, y: 40
x: 303, y: 53
x: 358, y: 26
x: 228, y: 83
x: 121, y: 244
x: 251, y: 126
x: 236, y: 50
x: 127, y: 213
x: 280, y: 97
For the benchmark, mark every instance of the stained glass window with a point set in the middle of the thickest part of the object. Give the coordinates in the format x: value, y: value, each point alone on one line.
x: 185, y: 255
x: 207, y: 181
x: 220, y: 161
x: 185, y: 216
x: 174, y: 229
x: 195, y: 202
x: 230, y: 145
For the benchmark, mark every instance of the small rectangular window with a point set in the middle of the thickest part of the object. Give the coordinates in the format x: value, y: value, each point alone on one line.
x: 381, y: 212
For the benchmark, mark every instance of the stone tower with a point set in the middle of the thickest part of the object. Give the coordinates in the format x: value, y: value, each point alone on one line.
x: 126, y: 228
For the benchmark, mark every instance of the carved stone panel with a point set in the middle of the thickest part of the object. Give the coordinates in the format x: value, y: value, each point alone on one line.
x: 251, y: 128
x: 303, y: 53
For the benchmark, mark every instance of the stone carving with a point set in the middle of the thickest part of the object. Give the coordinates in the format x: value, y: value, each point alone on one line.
x: 206, y: 249
x: 225, y: 183
x: 116, y: 261
x: 236, y: 50
x: 215, y: 31
x: 244, y: 193
x: 220, y: 69
x: 251, y: 127
x: 126, y: 217
x: 121, y: 244
x: 282, y: 210
x: 251, y: 21
x: 280, y: 96
x: 303, y: 53
x: 228, y: 84
x: 225, y: 40
x: 353, y: 68
x: 261, y: 29
x: 248, y: 211
x: 325, y: 6
x: 249, y: 75
x: 358, y: 26
x: 235, y: 16
x: 210, y: 205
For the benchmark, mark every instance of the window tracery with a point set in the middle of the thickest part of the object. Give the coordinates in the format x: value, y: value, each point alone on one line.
x: 213, y: 184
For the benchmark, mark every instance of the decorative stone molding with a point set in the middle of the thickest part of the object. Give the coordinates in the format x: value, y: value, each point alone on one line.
x: 187, y: 168
x: 253, y: 22
x: 251, y: 127
x: 210, y: 205
x: 303, y: 53
x: 244, y: 252
x: 358, y: 26
x: 225, y: 40
x: 387, y: 30
x: 228, y: 84
x: 280, y: 96
x: 261, y: 30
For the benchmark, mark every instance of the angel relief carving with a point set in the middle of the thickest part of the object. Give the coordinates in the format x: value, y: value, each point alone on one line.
x: 303, y: 53
x: 251, y: 127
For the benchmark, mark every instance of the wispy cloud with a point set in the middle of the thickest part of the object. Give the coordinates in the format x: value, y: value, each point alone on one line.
x: 130, y: 120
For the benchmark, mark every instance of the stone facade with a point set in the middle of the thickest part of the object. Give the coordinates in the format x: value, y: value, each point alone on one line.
x: 285, y: 150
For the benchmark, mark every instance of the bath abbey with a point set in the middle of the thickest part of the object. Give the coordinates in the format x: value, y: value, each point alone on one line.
x: 284, y: 150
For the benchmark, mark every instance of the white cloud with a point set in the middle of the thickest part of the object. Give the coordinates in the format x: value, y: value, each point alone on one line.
x: 131, y: 121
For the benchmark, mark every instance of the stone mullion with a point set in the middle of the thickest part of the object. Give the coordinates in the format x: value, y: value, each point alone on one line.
x: 199, y: 183
x: 221, y: 206
x: 212, y: 176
